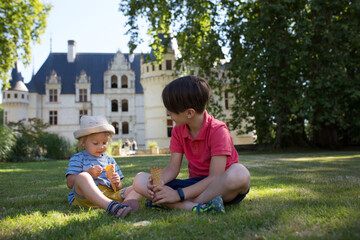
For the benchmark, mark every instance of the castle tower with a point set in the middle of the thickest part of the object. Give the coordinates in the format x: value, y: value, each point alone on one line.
x: 15, y: 99
x: 154, y: 77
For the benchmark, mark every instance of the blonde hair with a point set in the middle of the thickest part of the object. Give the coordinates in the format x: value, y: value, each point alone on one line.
x: 82, y: 140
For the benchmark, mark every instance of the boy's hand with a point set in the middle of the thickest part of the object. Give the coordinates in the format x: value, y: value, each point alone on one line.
x: 165, y: 194
x: 95, y: 171
x: 150, y: 187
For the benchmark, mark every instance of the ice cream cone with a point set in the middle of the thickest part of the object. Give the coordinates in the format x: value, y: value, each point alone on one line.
x: 156, y: 175
x: 110, y: 170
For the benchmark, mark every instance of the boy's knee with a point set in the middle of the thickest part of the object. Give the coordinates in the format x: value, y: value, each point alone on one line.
x: 238, y: 178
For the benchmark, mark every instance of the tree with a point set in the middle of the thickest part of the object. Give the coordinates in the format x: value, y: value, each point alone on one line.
x: 22, y: 22
x: 332, y: 69
x: 292, y: 63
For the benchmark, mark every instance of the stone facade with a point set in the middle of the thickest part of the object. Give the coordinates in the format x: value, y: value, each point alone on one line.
x: 126, y: 90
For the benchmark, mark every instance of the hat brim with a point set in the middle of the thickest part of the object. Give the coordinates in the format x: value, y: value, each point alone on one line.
x: 102, y: 128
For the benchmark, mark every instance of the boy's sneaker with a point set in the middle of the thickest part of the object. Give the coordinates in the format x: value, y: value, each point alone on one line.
x: 149, y: 204
x: 214, y: 206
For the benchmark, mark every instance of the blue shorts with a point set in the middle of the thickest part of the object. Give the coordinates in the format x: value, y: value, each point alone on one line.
x: 183, y: 183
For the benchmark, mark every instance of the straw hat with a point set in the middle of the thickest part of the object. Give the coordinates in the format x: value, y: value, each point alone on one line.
x: 93, y: 124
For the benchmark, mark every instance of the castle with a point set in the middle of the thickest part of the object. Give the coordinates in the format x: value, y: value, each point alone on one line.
x: 124, y: 88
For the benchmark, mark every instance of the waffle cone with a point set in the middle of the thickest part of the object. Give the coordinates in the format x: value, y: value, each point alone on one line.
x: 156, y: 175
x: 110, y: 170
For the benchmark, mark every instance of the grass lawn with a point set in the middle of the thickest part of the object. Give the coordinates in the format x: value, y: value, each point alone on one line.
x: 293, y: 196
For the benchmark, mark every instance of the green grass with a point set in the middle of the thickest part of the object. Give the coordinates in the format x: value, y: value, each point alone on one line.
x: 293, y: 196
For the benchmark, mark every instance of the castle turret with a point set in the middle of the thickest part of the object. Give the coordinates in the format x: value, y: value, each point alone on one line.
x: 15, y: 99
x: 154, y: 77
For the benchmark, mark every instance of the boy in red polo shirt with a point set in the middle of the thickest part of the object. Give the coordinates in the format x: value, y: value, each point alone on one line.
x: 215, y: 174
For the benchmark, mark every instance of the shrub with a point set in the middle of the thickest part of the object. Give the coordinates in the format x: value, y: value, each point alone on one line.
x: 54, y: 146
x: 7, y: 141
x: 152, y: 144
x: 24, y: 150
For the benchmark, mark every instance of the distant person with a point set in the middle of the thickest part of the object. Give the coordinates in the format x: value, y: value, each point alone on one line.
x: 133, y: 145
x: 86, y: 174
x: 216, y: 176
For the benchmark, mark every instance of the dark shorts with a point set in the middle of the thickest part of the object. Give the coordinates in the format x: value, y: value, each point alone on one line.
x: 183, y: 183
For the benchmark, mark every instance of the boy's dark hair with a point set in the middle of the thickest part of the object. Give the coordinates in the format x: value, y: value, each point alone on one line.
x: 186, y: 92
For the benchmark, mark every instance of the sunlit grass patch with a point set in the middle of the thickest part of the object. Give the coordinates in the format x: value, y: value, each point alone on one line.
x: 292, y: 196
x: 321, y: 158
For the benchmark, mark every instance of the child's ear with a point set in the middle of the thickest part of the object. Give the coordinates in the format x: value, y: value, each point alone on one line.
x: 190, y: 112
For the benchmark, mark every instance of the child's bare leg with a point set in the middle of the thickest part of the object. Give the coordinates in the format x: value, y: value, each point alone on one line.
x: 130, y: 193
x: 85, y: 186
x: 140, y: 184
x: 234, y: 181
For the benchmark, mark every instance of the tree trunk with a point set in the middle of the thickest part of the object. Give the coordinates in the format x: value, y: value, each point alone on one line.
x: 326, y: 137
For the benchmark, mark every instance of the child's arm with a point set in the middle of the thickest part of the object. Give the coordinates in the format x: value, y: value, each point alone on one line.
x: 115, y: 179
x: 171, y: 171
x: 94, y: 171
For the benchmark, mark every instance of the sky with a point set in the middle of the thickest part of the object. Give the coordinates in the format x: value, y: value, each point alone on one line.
x: 95, y: 25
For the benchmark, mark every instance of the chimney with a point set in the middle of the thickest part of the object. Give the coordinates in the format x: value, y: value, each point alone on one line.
x: 71, y: 54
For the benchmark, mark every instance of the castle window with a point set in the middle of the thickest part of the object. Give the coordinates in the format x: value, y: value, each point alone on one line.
x: 114, y: 106
x: 82, y: 95
x: 116, y: 126
x: 125, y: 128
x: 169, y: 124
x: 82, y: 112
x: 52, y: 95
x: 160, y: 67
x: 226, y: 98
x: 22, y: 96
x: 124, y: 81
x: 153, y: 67
x: 53, y: 118
x: 15, y: 95
x: 8, y: 96
x: 147, y: 68
x: 5, y: 118
x: 114, y: 81
x: 125, y: 105
x: 168, y: 65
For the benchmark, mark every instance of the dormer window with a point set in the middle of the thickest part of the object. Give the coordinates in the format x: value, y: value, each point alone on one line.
x: 83, y: 87
x: 124, y: 81
x: 114, y: 81
x: 82, y: 95
x: 53, y: 95
x: 53, y: 87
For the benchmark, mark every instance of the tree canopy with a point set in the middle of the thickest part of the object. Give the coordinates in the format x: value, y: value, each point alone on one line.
x: 293, y: 64
x: 22, y: 22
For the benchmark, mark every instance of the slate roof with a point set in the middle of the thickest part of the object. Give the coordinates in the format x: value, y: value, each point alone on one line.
x: 94, y: 64
x: 15, y: 77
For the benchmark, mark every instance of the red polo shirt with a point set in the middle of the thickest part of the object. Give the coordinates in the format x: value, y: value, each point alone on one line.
x: 213, y: 139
